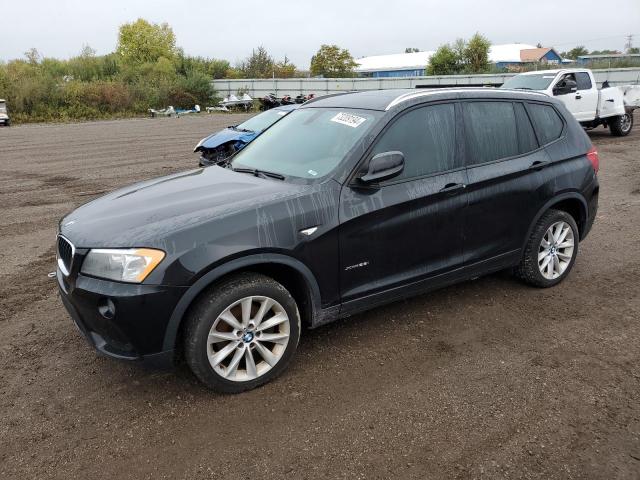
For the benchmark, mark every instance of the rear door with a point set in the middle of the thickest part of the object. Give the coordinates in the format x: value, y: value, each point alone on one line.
x: 504, y: 162
x: 410, y: 227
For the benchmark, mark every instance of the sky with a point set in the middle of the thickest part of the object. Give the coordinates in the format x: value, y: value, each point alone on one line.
x: 296, y: 28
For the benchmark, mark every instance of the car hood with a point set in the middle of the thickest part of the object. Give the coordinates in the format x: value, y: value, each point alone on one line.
x: 147, y: 213
x: 224, y: 136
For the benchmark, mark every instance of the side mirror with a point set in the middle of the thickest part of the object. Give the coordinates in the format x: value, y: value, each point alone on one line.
x: 382, y: 166
x: 566, y: 87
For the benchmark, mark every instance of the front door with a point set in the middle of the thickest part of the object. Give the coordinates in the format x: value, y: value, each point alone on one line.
x: 410, y: 227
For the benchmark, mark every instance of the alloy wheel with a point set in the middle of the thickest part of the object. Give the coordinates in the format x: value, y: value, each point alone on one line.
x: 248, y: 338
x: 625, y: 122
x: 556, y: 250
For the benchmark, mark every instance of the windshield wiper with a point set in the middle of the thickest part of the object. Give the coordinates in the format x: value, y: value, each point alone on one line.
x: 259, y: 173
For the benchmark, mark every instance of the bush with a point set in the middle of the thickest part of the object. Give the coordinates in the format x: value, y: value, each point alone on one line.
x: 90, y: 87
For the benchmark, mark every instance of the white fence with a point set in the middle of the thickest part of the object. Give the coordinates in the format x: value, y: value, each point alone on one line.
x: 293, y: 86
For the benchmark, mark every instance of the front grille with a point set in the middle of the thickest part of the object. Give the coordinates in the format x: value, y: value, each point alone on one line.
x: 65, y: 254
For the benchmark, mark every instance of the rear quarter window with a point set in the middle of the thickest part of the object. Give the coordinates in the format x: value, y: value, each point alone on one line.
x: 548, y: 123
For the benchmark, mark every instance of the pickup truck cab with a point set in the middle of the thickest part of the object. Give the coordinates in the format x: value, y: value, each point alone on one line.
x: 578, y: 90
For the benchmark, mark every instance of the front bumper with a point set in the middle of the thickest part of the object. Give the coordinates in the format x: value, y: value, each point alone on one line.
x: 121, y: 320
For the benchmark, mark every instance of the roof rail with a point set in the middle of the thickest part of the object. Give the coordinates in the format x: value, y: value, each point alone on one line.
x: 411, y: 95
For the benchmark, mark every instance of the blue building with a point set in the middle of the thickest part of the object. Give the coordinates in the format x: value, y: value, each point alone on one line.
x: 517, y: 54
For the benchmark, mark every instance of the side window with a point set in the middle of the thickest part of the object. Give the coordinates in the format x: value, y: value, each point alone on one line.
x: 548, y: 123
x: 526, y: 136
x: 583, y: 81
x: 427, y: 138
x: 490, y: 130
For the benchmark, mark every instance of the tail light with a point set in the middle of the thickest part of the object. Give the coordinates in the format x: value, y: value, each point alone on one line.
x: 592, y: 155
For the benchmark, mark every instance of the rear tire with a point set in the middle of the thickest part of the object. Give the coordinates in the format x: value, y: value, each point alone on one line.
x: 242, y: 333
x: 550, y: 251
x: 621, y: 126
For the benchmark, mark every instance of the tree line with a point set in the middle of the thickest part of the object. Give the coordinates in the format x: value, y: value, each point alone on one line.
x: 146, y: 70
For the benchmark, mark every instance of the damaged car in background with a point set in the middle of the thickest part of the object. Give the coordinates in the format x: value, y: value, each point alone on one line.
x: 216, y: 148
x: 4, y: 114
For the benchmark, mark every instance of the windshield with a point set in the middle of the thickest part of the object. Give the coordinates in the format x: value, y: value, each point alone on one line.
x: 530, y: 82
x: 308, y: 143
x: 3, y: 108
x: 262, y: 121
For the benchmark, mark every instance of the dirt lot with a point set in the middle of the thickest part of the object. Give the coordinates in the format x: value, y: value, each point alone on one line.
x: 488, y: 379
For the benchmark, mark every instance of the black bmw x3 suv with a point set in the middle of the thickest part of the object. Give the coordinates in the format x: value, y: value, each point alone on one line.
x: 350, y: 202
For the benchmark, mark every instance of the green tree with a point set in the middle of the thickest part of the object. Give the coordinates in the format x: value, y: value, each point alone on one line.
x: 234, y: 72
x: 577, y: 52
x: 633, y: 50
x: 258, y: 65
x: 284, y: 69
x: 476, y: 54
x: 445, y: 61
x: 463, y: 56
x: 332, y: 62
x: 140, y: 42
x: 217, y: 68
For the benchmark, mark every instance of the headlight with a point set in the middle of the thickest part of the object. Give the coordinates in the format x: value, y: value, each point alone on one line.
x: 123, y: 265
x: 199, y: 143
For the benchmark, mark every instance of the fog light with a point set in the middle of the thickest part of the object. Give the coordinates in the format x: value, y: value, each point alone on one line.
x: 106, y: 308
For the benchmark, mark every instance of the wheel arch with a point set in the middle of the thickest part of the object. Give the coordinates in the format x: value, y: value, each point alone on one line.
x: 571, y: 202
x: 294, y: 275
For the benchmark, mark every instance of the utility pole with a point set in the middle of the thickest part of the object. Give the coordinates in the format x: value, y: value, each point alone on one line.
x: 629, y: 45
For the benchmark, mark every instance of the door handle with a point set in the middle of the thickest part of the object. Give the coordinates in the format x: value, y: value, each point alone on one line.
x: 538, y: 165
x: 609, y: 100
x: 452, y: 188
x: 578, y: 97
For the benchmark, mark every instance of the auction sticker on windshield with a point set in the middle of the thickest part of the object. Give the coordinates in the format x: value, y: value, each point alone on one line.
x: 348, y: 119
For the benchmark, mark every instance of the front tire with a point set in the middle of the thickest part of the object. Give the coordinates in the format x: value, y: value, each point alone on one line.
x: 242, y: 333
x: 550, y: 251
x: 621, y: 126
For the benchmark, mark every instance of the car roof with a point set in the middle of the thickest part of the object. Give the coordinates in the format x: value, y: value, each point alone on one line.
x: 386, y: 99
x: 555, y: 71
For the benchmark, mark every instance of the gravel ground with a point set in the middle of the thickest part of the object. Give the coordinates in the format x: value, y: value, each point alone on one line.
x: 486, y: 379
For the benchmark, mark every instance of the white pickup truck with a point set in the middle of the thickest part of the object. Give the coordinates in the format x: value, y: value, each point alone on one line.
x: 611, y: 107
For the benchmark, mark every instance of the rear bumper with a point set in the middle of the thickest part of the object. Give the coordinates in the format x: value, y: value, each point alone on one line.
x: 592, y: 206
x: 123, y: 321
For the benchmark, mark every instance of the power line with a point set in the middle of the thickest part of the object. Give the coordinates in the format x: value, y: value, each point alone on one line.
x: 594, y: 39
x: 629, y: 45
